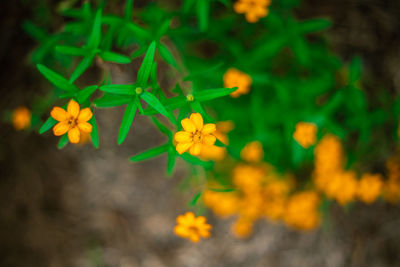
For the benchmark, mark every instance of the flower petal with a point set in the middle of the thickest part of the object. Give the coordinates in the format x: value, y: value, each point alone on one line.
x: 183, y: 137
x: 85, y: 115
x: 195, y: 149
x: 85, y: 127
x: 209, y: 139
x: 182, y: 147
x: 74, y: 135
x: 60, y: 128
x: 197, y: 120
x: 73, y: 108
x: 209, y: 128
x: 188, y: 125
x: 59, y: 114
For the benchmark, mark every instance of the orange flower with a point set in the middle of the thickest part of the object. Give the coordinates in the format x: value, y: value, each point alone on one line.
x: 370, y: 187
x: 302, y: 210
x: 195, y: 136
x: 253, y: 9
x: 305, y: 134
x: 236, y: 78
x: 73, y: 120
x: 252, y: 152
x: 21, y: 118
x: 191, y: 227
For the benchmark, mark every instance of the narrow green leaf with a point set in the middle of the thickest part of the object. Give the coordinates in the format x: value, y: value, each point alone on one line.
x: 137, y: 31
x: 163, y: 28
x: 145, y: 68
x: 151, y: 153
x: 195, y: 199
x: 85, y: 93
x: 156, y: 104
x: 94, y: 39
x: 161, y: 127
x: 108, y: 101
x: 95, y: 132
x: 166, y: 55
x: 203, y: 11
x: 197, y: 107
x: 56, y: 79
x: 121, y: 89
x: 222, y: 190
x: 34, y: 31
x: 114, y: 57
x: 128, y: 10
x: 71, y: 50
x: 313, y: 25
x: 206, y: 95
x: 83, y: 65
x: 170, y: 104
x: 195, y: 161
x: 355, y: 70
x: 63, y: 141
x: 47, y: 125
x: 127, y: 120
x: 171, y: 161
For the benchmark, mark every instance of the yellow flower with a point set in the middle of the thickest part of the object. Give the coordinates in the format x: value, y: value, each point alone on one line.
x: 195, y: 136
x: 370, y: 187
x: 305, y: 134
x: 73, y: 120
x: 192, y: 227
x: 274, y: 208
x: 342, y: 187
x: 224, y: 204
x: 253, y: 9
x: 391, y: 191
x: 223, y: 127
x: 302, y: 210
x: 236, y: 78
x: 21, y: 118
x: 242, y: 228
x: 248, y: 178
x: 252, y: 152
x: 214, y: 153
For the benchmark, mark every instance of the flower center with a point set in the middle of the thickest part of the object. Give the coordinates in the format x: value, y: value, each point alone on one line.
x: 71, y: 122
x: 197, y: 137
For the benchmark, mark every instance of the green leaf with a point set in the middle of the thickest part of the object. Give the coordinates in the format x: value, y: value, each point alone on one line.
x: 195, y: 161
x: 169, y: 104
x: 195, y: 199
x: 151, y: 153
x: 71, y: 50
x: 156, y: 104
x: 121, y: 89
x: 34, y: 31
x: 166, y: 55
x: 355, y: 70
x: 56, y: 79
x: 128, y: 10
x: 161, y: 127
x: 203, y: 11
x: 83, y: 65
x: 95, y: 132
x: 108, y: 101
x: 314, y: 25
x: 85, y: 93
x: 138, y: 32
x: 63, y: 141
x: 47, y: 125
x: 145, y: 68
x: 171, y: 160
x: 163, y: 28
x: 127, y: 120
x: 206, y: 95
x: 222, y: 190
x: 94, y: 39
x: 114, y: 57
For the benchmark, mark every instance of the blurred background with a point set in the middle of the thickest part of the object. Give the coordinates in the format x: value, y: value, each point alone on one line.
x: 85, y: 207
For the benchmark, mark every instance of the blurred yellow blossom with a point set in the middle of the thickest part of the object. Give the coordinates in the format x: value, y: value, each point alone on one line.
x: 342, y: 187
x: 253, y: 9
x: 247, y: 177
x: 73, y: 120
x: 223, y: 204
x: 252, y: 152
x: 302, y: 210
x: 21, y: 118
x: 223, y: 127
x: 370, y: 187
x: 242, y: 228
x: 305, y: 134
x: 236, y: 78
x: 195, y: 136
x: 191, y: 227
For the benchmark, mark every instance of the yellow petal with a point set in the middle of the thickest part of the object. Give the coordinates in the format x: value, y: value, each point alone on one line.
x: 85, y: 115
x: 85, y: 127
x: 74, y: 135
x: 60, y: 128
x: 209, y: 139
x: 181, y: 231
x: 188, y: 125
x: 195, y: 149
x: 182, y: 147
x: 73, y: 108
x: 59, y: 114
x: 183, y: 137
x: 209, y: 128
x: 194, y: 237
x: 197, y: 120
